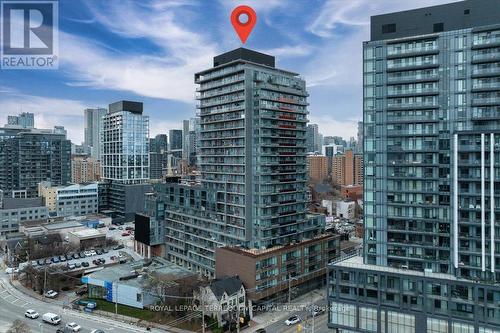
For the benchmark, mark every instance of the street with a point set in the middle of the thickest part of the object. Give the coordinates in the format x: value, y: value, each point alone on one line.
x: 14, y: 303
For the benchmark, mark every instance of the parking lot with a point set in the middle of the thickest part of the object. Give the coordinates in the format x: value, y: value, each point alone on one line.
x: 112, y: 256
x: 116, y: 234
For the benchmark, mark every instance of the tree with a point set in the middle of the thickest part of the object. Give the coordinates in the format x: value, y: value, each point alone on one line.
x: 18, y: 326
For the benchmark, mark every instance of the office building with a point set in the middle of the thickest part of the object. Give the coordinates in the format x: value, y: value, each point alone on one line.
x: 85, y: 169
x: 124, y: 159
x: 175, y: 139
x: 92, y: 138
x: 70, y: 200
x: 24, y: 120
x: 431, y: 254
x: 29, y: 156
x: 13, y: 211
x: 347, y: 169
x: 159, y: 144
x: 252, y: 189
x: 318, y: 167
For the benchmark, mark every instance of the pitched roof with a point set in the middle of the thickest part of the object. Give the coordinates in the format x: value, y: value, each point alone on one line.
x: 230, y: 285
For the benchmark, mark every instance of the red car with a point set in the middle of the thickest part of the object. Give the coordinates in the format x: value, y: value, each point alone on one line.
x: 126, y: 234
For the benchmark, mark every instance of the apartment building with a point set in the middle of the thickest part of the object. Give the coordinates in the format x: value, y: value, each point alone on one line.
x: 431, y: 260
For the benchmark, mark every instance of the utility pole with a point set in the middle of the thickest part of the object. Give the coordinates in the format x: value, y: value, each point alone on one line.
x: 44, y: 280
x: 202, y: 313
x: 116, y: 299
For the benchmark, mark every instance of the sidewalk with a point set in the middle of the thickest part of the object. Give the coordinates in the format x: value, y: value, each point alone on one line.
x: 262, y: 320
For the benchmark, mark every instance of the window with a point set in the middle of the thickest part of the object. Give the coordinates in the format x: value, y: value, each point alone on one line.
x: 389, y: 28
x: 437, y: 325
x: 368, y: 319
x: 438, y: 27
x: 343, y: 314
x: 139, y: 298
x: 462, y: 328
x: 466, y: 11
x: 400, y: 322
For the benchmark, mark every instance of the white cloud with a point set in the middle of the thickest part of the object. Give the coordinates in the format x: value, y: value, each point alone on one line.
x: 49, y: 112
x: 329, y: 126
x: 357, y: 12
x: 166, y: 74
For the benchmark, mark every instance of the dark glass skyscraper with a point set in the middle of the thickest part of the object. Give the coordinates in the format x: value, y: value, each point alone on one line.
x: 431, y: 197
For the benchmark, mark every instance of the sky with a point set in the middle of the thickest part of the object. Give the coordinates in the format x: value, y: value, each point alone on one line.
x: 149, y: 50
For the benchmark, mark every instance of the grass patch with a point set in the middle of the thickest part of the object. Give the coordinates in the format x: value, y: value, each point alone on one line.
x: 145, y: 314
x: 124, y: 310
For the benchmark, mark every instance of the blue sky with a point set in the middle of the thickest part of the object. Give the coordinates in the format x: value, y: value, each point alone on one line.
x: 149, y: 50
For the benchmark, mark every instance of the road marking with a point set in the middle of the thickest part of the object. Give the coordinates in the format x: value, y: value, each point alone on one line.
x: 24, y: 305
x: 4, y: 291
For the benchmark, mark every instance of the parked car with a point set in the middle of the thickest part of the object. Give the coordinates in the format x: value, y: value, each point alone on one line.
x: 82, y: 254
x: 51, y: 294
x: 93, y: 253
x: 129, y: 228
x: 34, y: 263
x: 40, y: 262
x: 55, y: 260
x: 120, y: 228
x: 119, y: 247
x: 98, y: 251
x: 71, y: 266
x: 292, y: 320
x: 62, y: 258
x: 78, y: 264
x: 48, y: 261
x: 31, y: 314
x: 85, y: 264
x: 260, y: 330
x: 69, y: 256
x: 105, y: 250
x: 97, y: 331
x: 73, y: 327
x: 125, y: 234
x: 317, y: 312
x: 76, y: 256
x: 51, y: 318
x: 82, y: 290
x: 87, y: 254
x: 111, y: 228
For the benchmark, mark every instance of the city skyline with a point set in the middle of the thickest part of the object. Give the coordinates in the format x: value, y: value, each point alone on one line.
x: 318, y: 44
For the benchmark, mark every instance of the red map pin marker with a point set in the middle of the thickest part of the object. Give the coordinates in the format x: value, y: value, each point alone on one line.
x: 243, y: 19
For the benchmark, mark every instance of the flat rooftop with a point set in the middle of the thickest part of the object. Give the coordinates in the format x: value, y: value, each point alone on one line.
x: 63, y: 225
x: 17, y: 203
x: 435, y: 19
x: 158, y: 265
x: 87, y: 233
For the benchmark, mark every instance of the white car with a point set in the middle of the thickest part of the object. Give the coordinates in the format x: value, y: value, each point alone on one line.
x: 93, y: 253
x: 74, y: 327
x: 292, y: 320
x: 31, y: 314
x: 51, y: 294
x: 97, y: 331
x: 87, y: 253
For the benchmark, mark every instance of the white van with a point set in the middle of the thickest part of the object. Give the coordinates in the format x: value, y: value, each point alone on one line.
x: 51, y: 318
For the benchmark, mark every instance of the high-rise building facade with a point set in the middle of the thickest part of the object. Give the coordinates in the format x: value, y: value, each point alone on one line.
x: 431, y: 260
x: 92, y: 138
x: 125, y: 143
x: 24, y: 120
x: 252, y: 191
x: 317, y: 167
x: 175, y: 139
x: 124, y: 159
x: 313, y: 138
x: 347, y: 169
x: 30, y: 156
x: 84, y: 169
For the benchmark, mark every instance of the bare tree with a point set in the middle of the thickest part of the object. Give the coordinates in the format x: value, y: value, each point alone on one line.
x: 18, y: 326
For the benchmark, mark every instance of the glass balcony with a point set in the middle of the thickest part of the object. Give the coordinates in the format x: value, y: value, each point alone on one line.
x: 394, y: 50
x: 397, y: 92
x: 486, y: 40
